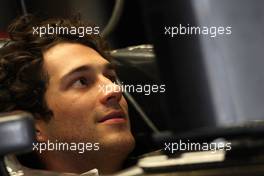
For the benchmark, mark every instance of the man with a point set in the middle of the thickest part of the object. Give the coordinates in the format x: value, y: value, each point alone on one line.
x: 58, y: 78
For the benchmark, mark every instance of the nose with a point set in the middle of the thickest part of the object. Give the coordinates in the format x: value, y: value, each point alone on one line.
x: 111, y: 92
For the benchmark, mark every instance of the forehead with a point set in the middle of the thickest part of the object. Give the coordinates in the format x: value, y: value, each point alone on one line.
x: 63, y: 57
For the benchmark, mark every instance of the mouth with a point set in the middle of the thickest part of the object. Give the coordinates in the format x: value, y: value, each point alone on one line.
x: 114, y: 117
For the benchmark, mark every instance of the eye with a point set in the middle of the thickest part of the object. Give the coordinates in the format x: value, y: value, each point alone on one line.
x: 81, y: 82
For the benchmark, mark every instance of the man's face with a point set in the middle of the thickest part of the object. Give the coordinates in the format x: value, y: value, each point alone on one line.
x: 80, y: 106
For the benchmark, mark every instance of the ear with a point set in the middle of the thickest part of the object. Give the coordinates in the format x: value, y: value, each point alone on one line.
x: 41, y: 130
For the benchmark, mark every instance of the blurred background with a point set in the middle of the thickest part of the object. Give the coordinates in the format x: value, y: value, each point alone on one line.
x: 129, y: 31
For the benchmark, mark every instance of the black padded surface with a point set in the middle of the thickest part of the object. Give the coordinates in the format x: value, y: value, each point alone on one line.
x: 16, y: 132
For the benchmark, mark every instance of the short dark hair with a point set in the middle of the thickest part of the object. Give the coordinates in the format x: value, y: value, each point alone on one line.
x: 23, y: 81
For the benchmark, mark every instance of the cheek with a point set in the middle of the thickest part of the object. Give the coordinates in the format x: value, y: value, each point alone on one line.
x: 73, y: 115
x: 124, y: 106
x: 123, y: 103
x: 71, y: 104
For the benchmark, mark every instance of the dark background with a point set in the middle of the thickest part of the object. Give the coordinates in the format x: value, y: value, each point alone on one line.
x: 130, y: 30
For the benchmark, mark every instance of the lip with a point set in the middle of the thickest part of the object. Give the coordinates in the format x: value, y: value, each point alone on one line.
x: 114, y: 116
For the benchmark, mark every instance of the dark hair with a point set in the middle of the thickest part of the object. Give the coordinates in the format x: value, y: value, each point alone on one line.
x: 23, y: 81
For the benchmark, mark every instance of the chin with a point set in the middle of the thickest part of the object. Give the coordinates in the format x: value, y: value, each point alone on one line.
x: 121, y: 142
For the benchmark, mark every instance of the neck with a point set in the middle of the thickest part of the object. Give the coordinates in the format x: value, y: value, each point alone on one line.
x: 79, y: 163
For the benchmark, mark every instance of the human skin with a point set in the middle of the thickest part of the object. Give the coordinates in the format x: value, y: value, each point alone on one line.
x: 79, y: 105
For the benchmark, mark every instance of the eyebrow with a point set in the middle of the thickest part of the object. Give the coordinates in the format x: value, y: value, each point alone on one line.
x: 108, y: 66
